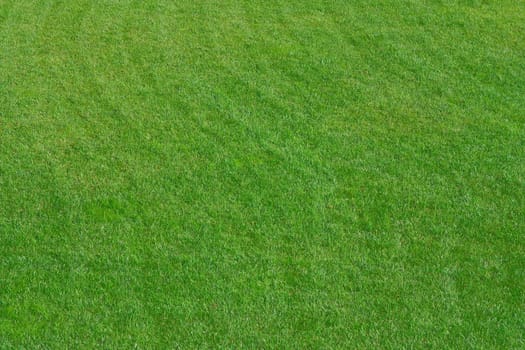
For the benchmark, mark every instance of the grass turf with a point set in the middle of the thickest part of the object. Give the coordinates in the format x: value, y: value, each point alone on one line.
x: 262, y: 174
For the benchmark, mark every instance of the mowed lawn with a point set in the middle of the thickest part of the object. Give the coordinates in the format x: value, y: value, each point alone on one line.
x: 262, y: 174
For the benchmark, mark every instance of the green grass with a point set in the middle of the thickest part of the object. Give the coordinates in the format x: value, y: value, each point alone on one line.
x: 262, y: 174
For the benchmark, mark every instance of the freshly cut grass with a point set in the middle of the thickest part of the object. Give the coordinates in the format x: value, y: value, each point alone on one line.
x: 262, y: 174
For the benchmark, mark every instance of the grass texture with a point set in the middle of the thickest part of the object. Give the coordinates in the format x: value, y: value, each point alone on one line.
x: 262, y: 174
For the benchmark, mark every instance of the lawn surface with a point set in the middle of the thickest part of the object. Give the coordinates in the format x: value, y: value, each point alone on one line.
x: 262, y: 174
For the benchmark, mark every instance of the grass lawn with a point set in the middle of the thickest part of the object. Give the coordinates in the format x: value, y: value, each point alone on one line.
x: 262, y: 174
